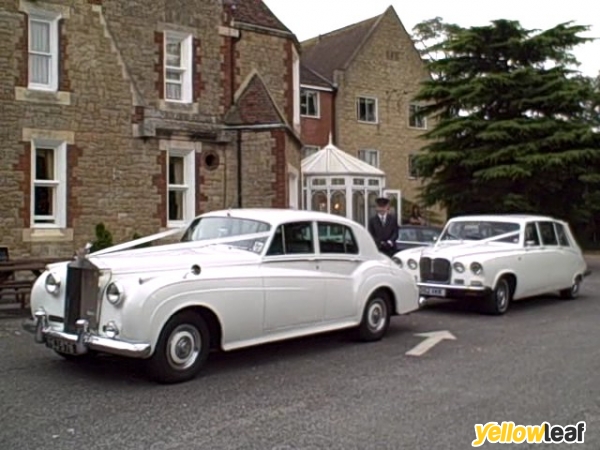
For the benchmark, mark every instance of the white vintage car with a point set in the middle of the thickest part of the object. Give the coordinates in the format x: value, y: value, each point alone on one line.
x: 237, y: 278
x: 497, y: 259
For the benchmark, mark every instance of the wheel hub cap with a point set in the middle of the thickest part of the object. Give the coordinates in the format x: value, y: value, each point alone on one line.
x: 376, y: 316
x: 183, y: 347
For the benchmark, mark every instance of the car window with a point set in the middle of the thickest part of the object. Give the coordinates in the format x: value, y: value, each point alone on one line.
x: 336, y: 238
x: 429, y: 235
x: 531, y: 235
x: 547, y: 233
x: 408, y: 235
x: 562, y: 235
x: 216, y: 227
x: 294, y: 238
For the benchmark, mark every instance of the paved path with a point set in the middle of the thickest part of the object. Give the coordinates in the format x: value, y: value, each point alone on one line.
x: 539, y: 362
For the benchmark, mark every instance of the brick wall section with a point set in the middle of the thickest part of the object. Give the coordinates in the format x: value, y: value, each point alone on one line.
x: 201, y: 197
x: 267, y: 54
x: 279, y: 168
x: 394, y: 83
x: 197, y: 75
x: 23, y: 168
x: 217, y: 187
x: 159, y: 181
x: 73, y: 184
x: 22, y: 53
x: 64, y: 83
x: 138, y: 114
x: 315, y: 131
x: 159, y: 39
x: 288, y: 81
x: 226, y: 73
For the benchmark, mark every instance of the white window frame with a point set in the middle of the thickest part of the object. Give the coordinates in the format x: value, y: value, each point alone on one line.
x: 188, y: 187
x: 52, y: 20
x: 312, y: 147
x: 186, y: 68
x: 376, y: 101
x: 310, y: 92
x: 59, y: 183
x: 296, y: 88
x: 362, y: 155
x: 411, y: 115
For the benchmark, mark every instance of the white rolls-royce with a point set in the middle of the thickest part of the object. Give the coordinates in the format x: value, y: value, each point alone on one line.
x: 497, y: 259
x: 238, y: 278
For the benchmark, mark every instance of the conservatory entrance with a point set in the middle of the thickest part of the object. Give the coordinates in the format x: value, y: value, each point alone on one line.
x: 335, y: 182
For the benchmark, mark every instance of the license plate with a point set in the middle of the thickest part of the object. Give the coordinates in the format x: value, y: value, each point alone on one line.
x: 433, y: 292
x: 61, y: 346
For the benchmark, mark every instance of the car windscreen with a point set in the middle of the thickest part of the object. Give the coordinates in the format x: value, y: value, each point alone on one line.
x: 478, y: 230
x: 213, y: 227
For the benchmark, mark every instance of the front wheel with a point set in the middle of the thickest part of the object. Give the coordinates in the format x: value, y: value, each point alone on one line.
x: 181, y: 350
x: 498, y: 302
x: 376, y: 318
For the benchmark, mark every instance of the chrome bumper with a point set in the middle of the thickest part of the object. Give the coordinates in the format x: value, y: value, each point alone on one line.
x: 84, y: 340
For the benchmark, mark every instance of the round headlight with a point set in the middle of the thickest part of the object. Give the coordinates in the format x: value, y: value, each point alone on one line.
x: 397, y: 261
x: 52, y: 283
x: 476, y: 268
x: 459, y: 267
x: 412, y: 264
x: 115, y: 293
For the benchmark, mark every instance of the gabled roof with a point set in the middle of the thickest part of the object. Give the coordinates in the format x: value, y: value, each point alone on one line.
x: 256, y: 12
x: 312, y: 78
x: 330, y: 160
x: 333, y: 51
x: 254, y: 105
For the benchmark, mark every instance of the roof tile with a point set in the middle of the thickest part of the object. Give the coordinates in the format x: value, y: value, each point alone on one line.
x: 254, y: 106
x: 256, y: 12
x: 330, y: 52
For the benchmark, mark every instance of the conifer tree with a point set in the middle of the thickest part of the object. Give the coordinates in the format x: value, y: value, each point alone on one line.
x: 514, y: 124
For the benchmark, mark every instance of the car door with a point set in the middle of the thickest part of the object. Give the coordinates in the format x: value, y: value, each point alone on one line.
x: 531, y: 280
x: 338, y: 259
x: 553, y: 267
x: 294, y: 287
x: 570, y: 256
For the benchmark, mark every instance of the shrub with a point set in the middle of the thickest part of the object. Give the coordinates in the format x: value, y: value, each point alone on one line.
x: 103, y: 239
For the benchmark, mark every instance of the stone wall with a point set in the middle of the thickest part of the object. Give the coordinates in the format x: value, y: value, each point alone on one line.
x: 109, y: 174
x: 394, y: 81
x: 110, y: 78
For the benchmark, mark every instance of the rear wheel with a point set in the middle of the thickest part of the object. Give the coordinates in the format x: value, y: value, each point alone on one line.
x: 498, y: 302
x: 181, y: 350
x: 572, y: 292
x: 376, y: 318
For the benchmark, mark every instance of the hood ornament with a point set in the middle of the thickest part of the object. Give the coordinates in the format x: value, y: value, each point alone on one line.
x: 83, y: 252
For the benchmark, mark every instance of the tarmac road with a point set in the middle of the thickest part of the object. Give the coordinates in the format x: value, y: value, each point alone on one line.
x: 540, y: 362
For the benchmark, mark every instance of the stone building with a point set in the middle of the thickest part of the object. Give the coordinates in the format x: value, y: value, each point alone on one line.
x: 357, y: 83
x: 141, y: 115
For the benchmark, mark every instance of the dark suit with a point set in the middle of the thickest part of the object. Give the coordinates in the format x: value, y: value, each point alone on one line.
x: 384, y: 232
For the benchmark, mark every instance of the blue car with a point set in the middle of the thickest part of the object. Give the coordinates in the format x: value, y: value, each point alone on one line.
x: 410, y: 236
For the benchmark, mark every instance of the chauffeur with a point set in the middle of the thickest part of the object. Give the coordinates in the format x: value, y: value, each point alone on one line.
x: 383, y: 227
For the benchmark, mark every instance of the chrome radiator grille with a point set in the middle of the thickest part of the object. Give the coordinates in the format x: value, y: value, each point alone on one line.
x: 82, y: 296
x: 436, y: 270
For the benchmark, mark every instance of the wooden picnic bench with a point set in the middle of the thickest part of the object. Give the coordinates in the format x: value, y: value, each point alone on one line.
x: 19, y: 288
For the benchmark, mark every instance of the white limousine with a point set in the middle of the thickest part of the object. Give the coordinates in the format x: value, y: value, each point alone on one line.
x: 497, y: 259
